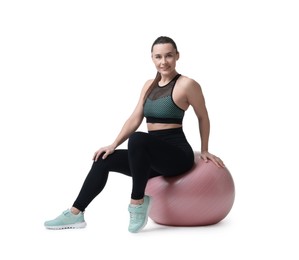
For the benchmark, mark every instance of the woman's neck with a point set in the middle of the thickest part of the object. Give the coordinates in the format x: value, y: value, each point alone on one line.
x: 167, y: 78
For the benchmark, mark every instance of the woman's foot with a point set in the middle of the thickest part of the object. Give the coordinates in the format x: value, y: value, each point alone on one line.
x: 67, y: 220
x: 139, y: 215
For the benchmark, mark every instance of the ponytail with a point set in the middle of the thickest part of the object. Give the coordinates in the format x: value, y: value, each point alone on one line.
x: 153, y: 84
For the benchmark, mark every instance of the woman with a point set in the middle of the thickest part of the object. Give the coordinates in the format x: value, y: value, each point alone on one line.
x: 163, y: 150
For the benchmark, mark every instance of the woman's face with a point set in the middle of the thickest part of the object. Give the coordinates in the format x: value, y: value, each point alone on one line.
x: 164, y: 57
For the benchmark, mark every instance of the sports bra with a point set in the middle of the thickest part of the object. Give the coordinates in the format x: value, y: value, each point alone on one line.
x: 159, y: 106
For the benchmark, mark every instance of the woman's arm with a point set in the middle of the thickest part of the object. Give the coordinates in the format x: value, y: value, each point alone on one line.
x: 129, y: 127
x: 196, y: 99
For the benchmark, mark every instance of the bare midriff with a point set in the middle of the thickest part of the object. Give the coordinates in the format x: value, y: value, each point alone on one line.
x: 160, y: 126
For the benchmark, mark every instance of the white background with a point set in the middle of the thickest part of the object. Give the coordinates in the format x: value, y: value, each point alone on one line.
x: 71, y: 73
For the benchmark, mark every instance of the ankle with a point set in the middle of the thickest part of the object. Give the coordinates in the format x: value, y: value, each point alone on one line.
x: 75, y: 211
x: 136, y: 202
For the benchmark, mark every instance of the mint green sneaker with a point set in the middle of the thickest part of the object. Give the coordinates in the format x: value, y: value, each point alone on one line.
x: 67, y: 220
x: 139, y: 215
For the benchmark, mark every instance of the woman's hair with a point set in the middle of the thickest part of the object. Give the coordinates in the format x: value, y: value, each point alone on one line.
x: 159, y: 40
x: 163, y: 40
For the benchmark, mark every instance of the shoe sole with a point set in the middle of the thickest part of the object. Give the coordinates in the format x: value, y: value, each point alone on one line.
x: 70, y: 226
x: 146, y: 219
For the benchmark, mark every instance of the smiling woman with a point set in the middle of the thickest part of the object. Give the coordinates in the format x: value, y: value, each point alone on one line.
x: 162, y: 151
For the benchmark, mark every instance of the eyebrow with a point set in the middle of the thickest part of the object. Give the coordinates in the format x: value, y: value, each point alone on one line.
x: 166, y: 53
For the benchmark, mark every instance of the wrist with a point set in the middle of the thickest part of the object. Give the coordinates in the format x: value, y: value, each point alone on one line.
x: 114, y: 145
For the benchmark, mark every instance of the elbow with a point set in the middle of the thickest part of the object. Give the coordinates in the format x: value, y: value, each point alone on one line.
x: 135, y: 122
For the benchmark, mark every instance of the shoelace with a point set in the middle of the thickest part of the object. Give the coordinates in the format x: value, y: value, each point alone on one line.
x: 66, y: 212
x: 135, y: 217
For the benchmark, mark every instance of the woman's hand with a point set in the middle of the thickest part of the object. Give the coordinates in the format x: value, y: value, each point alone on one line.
x: 105, y: 151
x: 208, y: 156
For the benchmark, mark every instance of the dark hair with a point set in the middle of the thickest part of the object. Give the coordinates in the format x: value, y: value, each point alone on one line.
x: 164, y: 40
x: 159, y: 40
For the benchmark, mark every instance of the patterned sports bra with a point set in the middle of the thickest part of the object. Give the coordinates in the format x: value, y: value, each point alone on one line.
x: 159, y: 106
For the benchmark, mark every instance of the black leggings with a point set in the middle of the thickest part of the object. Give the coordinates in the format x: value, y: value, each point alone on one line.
x: 163, y: 152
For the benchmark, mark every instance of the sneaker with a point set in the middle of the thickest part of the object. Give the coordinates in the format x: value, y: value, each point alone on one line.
x: 139, y: 215
x: 67, y: 220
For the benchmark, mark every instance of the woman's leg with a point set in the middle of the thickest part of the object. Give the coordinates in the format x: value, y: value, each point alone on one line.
x: 97, y: 177
x: 92, y: 186
x: 150, y: 156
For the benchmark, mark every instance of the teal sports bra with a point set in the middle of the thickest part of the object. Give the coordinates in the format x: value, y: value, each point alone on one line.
x: 159, y: 106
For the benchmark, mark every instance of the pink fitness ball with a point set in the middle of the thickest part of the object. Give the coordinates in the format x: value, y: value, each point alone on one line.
x: 202, y: 196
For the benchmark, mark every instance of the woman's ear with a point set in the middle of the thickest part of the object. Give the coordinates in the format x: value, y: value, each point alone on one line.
x: 177, y: 55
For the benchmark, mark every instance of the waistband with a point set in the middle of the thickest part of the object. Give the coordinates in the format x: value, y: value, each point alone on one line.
x: 176, y: 130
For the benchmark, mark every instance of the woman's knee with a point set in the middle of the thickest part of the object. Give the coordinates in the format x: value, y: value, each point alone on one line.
x: 137, y: 140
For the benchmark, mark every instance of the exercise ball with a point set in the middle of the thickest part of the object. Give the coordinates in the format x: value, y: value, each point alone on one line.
x: 202, y: 196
